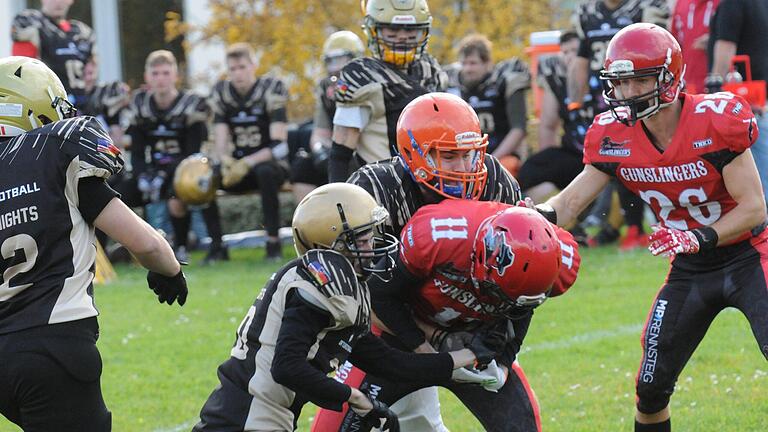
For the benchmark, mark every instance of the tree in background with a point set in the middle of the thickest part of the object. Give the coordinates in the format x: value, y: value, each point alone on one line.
x: 289, y: 34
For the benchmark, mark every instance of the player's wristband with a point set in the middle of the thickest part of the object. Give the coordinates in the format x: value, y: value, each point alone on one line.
x: 547, y: 211
x: 707, y: 237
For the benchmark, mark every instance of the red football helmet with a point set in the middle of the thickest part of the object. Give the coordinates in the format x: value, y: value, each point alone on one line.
x: 636, y: 51
x: 515, y: 260
x: 436, y: 128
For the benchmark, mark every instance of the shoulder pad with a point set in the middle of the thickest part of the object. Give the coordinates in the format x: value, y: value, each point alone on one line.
x: 139, y: 107
x: 731, y: 117
x: 86, y: 139
x: 359, y: 79
x: 334, y: 287
x: 218, y: 99
x: 195, y: 108
x: 112, y: 97
x: 275, y: 93
x: 429, y: 73
x: 452, y: 73
x: 549, y: 65
x: 26, y: 26
x: 514, y: 74
x: 501, y: 186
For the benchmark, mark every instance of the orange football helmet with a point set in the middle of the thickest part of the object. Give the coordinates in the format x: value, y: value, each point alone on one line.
x: 432, y: 131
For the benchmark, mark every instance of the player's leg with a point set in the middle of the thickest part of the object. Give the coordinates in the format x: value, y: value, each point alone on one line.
x: 678, y: 319
x: 513, y: 408
x: 270, y: 177
x: 212, y: 217
x: 750, y: 291
x: 51, y: 378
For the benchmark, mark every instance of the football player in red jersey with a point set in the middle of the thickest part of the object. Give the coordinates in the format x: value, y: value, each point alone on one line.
x: 688, y: 157
x: 471, y: 272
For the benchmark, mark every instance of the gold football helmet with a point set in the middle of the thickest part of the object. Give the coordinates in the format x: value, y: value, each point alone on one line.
x: 339, y: 48
x: 343, y: 217
x: 396, y: 14
x: 194, y: 182
x: 31, y: 95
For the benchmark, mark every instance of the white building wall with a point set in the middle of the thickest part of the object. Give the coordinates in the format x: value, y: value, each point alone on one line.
x: 8, y: 10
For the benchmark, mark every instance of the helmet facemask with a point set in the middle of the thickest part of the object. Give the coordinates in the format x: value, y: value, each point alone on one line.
x: 399, y: 54
x: 628, y: 110
x: 450, y: 183
x: 377, y: 260
x: 495, y: 302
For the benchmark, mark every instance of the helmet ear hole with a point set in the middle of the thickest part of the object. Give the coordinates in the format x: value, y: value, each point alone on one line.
x: 18, y: 72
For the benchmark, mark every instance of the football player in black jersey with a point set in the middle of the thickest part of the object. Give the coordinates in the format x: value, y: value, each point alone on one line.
x: 442, y: 156
x: 250, y: 113
x: 372, y: 91
x: 497, y: 94
x: 166, y: 126
x: 64, y: 45
x: 309, y: 168
x: 553, y: 166
x: 596, y: 21
x: 53, y: 168
x: 312, y: 315
x: 105, y: 101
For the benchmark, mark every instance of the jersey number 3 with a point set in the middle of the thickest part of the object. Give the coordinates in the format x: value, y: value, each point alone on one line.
x: 19, y: 256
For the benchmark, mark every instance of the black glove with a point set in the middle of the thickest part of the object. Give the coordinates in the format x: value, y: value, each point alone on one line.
x: 445, y: 341
x: 168, y: 288
x: 488, y: 342
x: 379, y: 412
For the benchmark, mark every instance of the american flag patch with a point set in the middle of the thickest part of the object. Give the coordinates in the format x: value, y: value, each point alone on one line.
x: 318, y: 272
x: 106, y: 146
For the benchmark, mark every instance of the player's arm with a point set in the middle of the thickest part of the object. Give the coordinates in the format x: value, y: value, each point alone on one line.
x: 513, y: 142
x: 301, y: 324
x: 549, y: 122
x: 374, y: 356
x: 572, y: 200
x: 345, y: 140
x: 743, y: 183
x: 222, y: 148
x: 389, y: 301
x: 138, y: 150
x: 123, y: 225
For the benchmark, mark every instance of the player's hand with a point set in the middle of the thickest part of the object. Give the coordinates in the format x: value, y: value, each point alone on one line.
x: 670, y: 242
x: 487, y: 343
x: 492, y: 378
x: 232, y: 172
x: 444, y: 341
x: 373, y: 412
x: 168, y: 288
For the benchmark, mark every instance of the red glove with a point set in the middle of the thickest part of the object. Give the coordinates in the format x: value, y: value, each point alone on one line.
x: 669, y: 242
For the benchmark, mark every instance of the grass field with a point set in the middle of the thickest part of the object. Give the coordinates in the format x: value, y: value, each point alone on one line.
x: 580, y: 355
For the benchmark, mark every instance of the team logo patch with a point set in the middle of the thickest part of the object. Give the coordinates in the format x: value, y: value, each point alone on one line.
x: 106, y: 146
x: 341, y: 87
x: 319, y: 273
x: 702, y: 143
x: 498, y: 253
x: 612, y: 148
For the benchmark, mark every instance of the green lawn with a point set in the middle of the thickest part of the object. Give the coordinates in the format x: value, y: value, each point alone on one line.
x: 580, y: 355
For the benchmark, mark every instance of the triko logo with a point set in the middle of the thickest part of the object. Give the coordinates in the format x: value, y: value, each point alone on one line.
x: 702, y: 143
x: 612, y: 148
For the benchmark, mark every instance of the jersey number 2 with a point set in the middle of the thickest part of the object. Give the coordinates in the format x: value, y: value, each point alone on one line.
x: 666, y: 206
x: 20, y: 251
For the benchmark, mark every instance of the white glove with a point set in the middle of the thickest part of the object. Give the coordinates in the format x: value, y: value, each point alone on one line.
x: 491, y: 378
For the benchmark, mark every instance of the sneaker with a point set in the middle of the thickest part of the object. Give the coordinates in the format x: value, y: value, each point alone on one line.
x: 607, y: 235
x: 181, y: 254
x: 274, y: 251
x: 218, y: 253
x: 634, y: 239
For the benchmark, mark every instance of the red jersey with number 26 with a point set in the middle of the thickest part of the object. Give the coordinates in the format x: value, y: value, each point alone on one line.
x: 684, y: 184
x: 437, y: 246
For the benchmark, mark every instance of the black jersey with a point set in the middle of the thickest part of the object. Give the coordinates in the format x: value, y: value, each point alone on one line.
x: 596, y: 24
x: 490, y: 98
x: 552, y: 76
x: 162, y: 138
x: 64, y: 48
x: 391, y: 184
x: 47, y: 247
x: 248, y: 116
x: 105, y: 102
x: 384, y: 91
